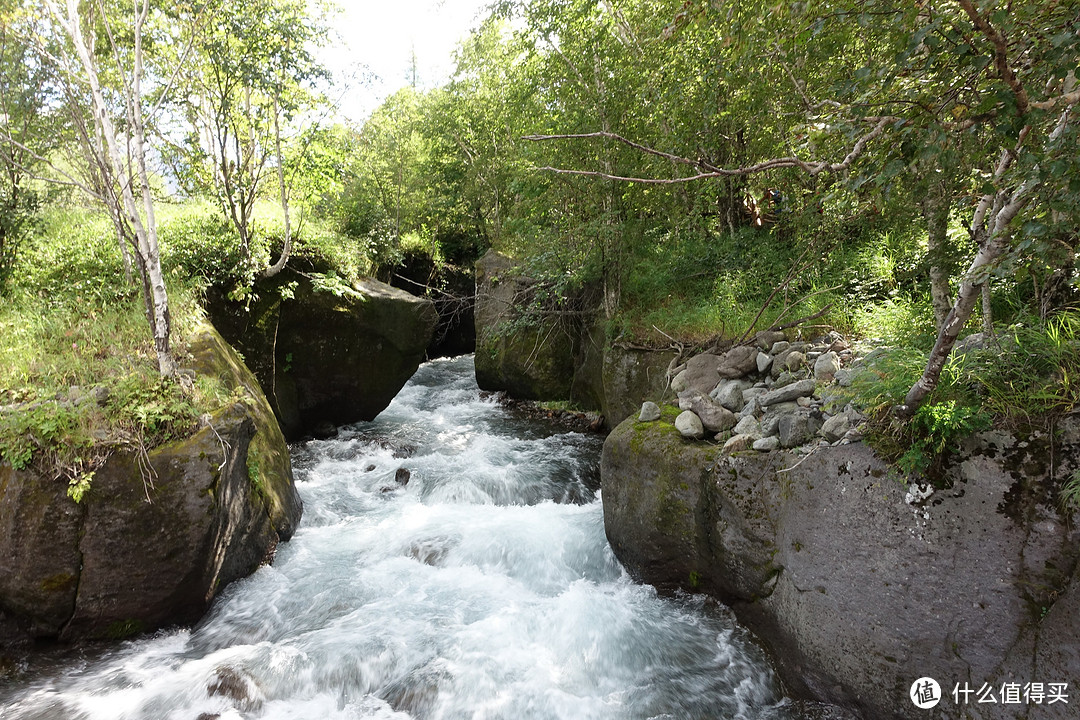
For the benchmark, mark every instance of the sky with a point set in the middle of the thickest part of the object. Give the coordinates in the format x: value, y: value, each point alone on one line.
x: 377, y: 38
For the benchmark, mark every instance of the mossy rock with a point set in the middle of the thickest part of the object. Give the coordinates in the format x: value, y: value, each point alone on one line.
x: 653, y: 479
x: 159, y: 533
x: 528, y: 360
x: 329, y: 352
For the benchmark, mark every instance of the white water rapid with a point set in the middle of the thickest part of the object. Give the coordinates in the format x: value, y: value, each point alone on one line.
x: 484, y: 588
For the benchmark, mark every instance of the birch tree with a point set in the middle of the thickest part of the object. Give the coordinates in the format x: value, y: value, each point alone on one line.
x: 111, y: 76
x: 877, y: 93
x: 253, y: 71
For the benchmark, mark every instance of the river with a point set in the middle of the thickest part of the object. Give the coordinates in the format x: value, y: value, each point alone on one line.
x: 451, y: 563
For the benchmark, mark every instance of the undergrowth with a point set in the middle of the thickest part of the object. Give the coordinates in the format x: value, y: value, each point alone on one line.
x: 78, y: 374
x: 1021, y: 378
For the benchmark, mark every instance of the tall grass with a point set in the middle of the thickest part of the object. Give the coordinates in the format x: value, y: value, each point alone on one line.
x: 72, y: 322
x: 1024, y: 376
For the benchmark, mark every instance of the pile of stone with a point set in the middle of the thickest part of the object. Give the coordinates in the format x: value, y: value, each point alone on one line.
x: 767, y: 395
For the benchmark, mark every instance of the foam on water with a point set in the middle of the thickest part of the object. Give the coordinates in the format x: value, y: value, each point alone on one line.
x: 484, y: 588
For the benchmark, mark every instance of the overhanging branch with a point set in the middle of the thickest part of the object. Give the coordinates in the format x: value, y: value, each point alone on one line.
x: 708, y: 170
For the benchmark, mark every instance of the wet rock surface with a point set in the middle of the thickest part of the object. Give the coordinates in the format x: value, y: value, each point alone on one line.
x: 858, y: 586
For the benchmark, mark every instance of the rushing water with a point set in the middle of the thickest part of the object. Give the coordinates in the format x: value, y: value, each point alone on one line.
x: 482, y: 588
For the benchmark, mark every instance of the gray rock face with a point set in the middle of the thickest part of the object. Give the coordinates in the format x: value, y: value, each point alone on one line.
x: 650, y: 411
x: 702, y: 373
x: 836, y: 427
x: 530, y: 362
x: 767, y: 444
x: 715, y: 417
x: 855, y: 592
x: 328, y: 355
x: 752, y: 408
x: 738, y: 443
x: 763, y: 362
x: 797, y: 428
x: 631, y: 376
x: 785, y: 378
x: 802, y: 388
x: 748, y: 426
x: 730, y: 395
x: 681, y: 382
x: 845, y: 376
x: 116, y: 564
x: 826, y: 367
x: 689, y: 425
x: 766, y: 339
x: 794, y: 361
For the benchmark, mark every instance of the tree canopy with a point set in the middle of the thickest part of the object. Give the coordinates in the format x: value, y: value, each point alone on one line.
x: 704, y: 167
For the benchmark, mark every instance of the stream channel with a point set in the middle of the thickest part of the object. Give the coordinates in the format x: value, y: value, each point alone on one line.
x: 483, y: 588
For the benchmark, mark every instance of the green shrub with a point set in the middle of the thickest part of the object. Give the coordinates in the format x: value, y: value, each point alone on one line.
x: 1022, y: 376
x: 203, y: 245
x: 72, y: 323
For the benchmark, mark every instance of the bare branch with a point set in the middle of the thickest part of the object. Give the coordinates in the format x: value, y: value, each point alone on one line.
x: 1071, y: 98
x: 618, y: 138
x: 711, y: 171
x: 806, y: 318
x: 810, y: 105
x: 621, y: 178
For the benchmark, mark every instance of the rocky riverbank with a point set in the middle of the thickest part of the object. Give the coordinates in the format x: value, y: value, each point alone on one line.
x: 858, y: 580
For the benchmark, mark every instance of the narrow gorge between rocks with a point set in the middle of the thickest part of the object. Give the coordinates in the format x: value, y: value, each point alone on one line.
x: 477, y: 584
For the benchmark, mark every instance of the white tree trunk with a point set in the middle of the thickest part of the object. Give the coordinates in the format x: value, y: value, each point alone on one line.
x: 992, y: 242
x: 936, y: 212
x: 286, y: 251
x: 120, y: 176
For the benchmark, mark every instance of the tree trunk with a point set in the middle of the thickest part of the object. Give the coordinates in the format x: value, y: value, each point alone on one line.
x: 936, y: 212
x: 286, y: 251
x: 992, y: 244
x: 121, y: 176
x: 987, y: 309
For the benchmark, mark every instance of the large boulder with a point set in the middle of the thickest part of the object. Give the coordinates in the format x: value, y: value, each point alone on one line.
x: 326, y: 352
x: 631, y: 376
x: 159, y: 533
x: 529, y: 358
x: 562, y: 357
x: 857, y: 586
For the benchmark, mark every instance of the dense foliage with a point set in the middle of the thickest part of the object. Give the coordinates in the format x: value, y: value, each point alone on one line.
x: 697, y: 168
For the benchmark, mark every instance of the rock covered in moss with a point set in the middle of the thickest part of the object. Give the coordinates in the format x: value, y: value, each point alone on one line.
x: 326, y: 351
x: 159, y: 533
x: 530, y: 360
